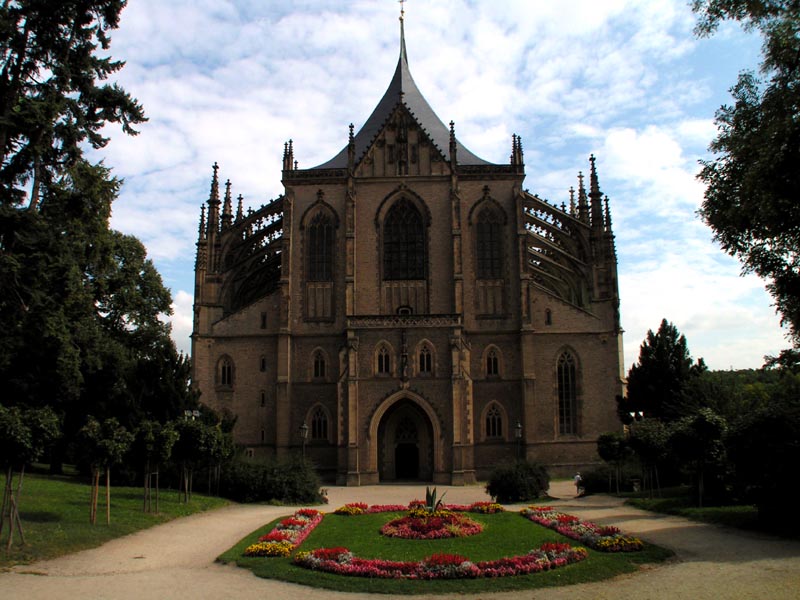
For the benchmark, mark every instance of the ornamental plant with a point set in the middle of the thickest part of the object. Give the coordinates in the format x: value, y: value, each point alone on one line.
x: 341, y: 561
x: 287, y: 535
x: 604, y: 539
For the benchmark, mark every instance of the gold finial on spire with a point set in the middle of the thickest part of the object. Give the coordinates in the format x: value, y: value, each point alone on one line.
x: 402, y: 8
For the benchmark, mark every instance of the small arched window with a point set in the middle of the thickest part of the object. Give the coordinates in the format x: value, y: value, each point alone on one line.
x: 319, y: 365
x: 263, y: 398
x: 425, y: 360
x: 262, y: 365
x: 548, y: 317
x: 567, y: 394
x: 225, y: 375
x: 384, y: 361
x: 319, y: 424
x: 489, y: 240
x: 320, y: 248
x: 492, y: 363
x: 494, y: 422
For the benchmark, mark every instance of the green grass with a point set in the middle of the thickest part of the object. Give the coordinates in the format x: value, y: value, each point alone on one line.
x: 55, y: 516
x: 505, y: 534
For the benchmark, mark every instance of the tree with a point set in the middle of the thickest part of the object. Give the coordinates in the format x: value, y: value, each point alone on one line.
x: 613, y: 448
x: 657, y: 384
x: 153, y: 445
x: 104, y: 446
x: 698, y: 441
x: 52, y: 101
x: 24, y: 436
x: 752, y: 198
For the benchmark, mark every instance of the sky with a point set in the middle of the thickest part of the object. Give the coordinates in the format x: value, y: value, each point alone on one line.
x: 230, y: 81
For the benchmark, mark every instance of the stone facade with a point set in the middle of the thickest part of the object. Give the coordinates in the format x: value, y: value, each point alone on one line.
x: 424, y: 316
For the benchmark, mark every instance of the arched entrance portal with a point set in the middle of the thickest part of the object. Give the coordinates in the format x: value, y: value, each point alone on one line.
x: 405, y: 444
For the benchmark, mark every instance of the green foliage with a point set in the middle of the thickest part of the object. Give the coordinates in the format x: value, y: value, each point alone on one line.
x: 104, y: 444
x: 698, y: 442
x: 53, y: 98
x: 292, y: 481
x: 25, y: 434
x: 431, y: 502
x: 520, y: 482
x: 751, y: 199
x: 657, y: 383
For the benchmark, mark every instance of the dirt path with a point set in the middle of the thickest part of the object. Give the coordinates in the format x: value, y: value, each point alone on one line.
x: 176, y: 560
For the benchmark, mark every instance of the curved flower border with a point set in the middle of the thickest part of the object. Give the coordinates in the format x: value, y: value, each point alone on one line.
x: 361, y: 508
x: 597, y: 537
x: 286, y: 535
x: 341, y: 561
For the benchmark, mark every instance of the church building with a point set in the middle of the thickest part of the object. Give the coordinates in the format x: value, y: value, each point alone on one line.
x: 407, y: 311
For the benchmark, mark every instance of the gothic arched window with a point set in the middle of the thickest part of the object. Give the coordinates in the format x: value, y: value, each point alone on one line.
x: 494, y: 422
x: 489, y: 245
x: 492, y: 363
x: 425, y: 360
x: 404, y: 252
x: 319, y: 365
x: 319, y: 424
x: 567, y: 395
x: 320, y: 248
x: 384, y: 361
x: 225, y: 372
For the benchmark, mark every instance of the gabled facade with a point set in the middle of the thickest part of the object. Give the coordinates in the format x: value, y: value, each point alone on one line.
x: 408, y: 302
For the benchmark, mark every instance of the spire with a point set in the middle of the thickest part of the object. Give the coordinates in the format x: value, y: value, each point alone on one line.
x: 571, y: 201
x: 583, y: 205
x: 517, y: 159
x: 453, y: 144
x: 595, y: 196
x: 402, y: 88
x: 227, y: 209
x: 239, y: 211
x: 288, y: 156
x: 351, y: 149
x: 608, y: 215
x: 202, y: 233
x: 213, y: 203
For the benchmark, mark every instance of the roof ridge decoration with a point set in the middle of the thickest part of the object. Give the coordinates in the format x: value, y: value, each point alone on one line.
x: 403, y: 90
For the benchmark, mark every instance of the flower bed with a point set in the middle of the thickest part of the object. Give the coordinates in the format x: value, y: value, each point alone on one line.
x: 597, y: 537
x: 420, y: 524
x: 360, y: 508
x: 440, y: 566
x: 287, y: 535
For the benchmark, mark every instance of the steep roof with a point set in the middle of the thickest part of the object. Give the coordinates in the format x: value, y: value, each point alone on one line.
x: 403, y: 89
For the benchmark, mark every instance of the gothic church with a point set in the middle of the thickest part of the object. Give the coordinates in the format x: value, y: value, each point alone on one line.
x: 407, y: 311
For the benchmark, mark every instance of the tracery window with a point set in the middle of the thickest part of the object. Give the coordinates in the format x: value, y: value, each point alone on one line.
x: 320, y: 248
x: 494, y: 422
x: 319, y: 424
x: 384, y: 361
x: 567, y: 394
x: 492, y: 363
x: 404, y: 251
x: 425, y: 360
x: 319, y: 365
x: 489, y: 245
x: 225, y: 376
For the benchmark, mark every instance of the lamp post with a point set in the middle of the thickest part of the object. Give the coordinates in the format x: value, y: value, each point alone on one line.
x: 191, y: 414
x: 304, y: 435
x: 518, y: 435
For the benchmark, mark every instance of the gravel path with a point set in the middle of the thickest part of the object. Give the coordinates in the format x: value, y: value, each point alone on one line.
x: 176, y: 560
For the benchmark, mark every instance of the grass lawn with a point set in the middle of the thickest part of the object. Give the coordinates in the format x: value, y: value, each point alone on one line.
x: 55, y: 516
x: 505, y: 534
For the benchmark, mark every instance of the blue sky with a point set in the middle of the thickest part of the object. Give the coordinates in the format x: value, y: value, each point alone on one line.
x: 231, y: 81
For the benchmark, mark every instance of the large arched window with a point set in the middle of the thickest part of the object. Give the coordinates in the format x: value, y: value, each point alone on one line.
x: 404, y: 252
x: 319, y: 424
x: 494, y: 422
x: 320, y: 248
x: 492, y: 363
x: 383, y: 361
x: 319, y: 365
x: 425, y: 360
x: 490, y: 245
x: 567, y: 395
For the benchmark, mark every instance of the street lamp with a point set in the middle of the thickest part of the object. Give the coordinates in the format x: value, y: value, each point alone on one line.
x: 304, y: 435
x: 191, y: 414
x: 518, y: 435
x: 637, y: 415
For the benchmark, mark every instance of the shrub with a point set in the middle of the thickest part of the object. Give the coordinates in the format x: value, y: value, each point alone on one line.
x: 519, y: 482
x: 292, y: 481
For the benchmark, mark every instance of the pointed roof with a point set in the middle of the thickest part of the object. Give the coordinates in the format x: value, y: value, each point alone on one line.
x: 402, y: 89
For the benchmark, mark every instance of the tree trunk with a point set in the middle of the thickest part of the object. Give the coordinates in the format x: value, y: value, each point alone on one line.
x: 108, y: 495
x: 5, y: 508
x: 157, y: 510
